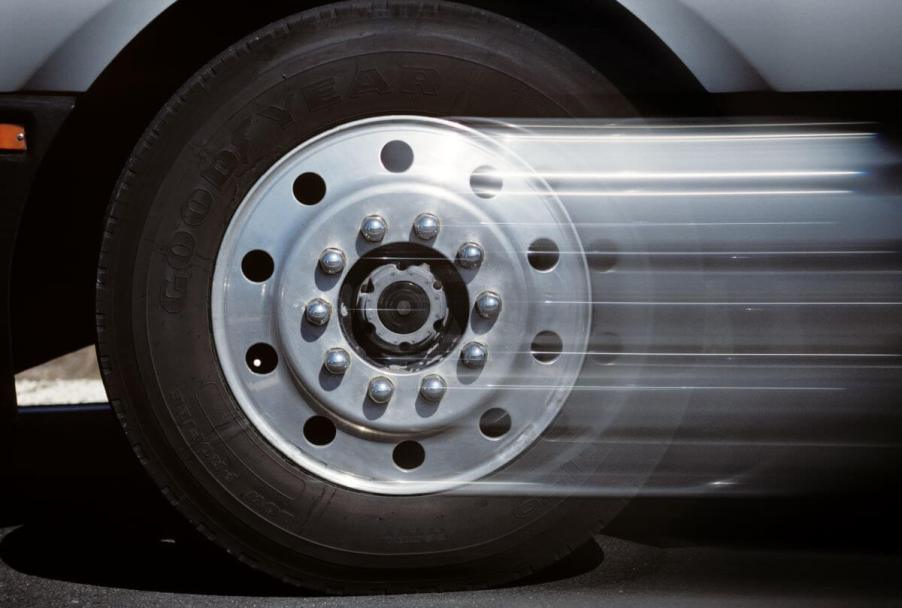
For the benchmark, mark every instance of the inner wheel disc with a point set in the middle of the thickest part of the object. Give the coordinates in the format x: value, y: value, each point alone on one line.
x: 454, y: 362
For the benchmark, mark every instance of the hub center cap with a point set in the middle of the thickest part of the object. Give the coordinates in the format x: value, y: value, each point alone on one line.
x: 404, y: 308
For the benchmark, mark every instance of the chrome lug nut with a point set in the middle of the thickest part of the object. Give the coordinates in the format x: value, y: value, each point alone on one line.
x: 332, y: 260
x: 380, y: 390
x: 470, y: 256
x: 426, y: 226
x: 433, y: 388
x: 474, y: 355
x: 488, y: 304
x: 317, y: 311
x: 373, y: 228
x: 337, y: 361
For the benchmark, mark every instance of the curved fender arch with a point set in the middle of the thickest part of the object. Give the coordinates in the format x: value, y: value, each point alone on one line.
x: 57, y: 45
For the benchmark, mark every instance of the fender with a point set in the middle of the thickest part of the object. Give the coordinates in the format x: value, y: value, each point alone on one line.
x: 57, y: 46
x: 53, y: 45
x: 781, y: 45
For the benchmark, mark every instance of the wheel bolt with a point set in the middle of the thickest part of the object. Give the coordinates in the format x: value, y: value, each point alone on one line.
x: 488, y: 304
x: 433, y: 388
x: 332, y: 260
x: 470, y: 256
x: 474, y: 355
x: 317, y: 311
x: 337, y: 361
x: 373, y: 228
x: 380, y: 390
x: 426, y: 226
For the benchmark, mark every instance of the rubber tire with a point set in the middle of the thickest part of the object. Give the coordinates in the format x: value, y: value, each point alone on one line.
x: 216, y: 136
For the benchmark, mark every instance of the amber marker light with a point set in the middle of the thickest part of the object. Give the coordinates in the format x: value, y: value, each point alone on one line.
x: 12, y: 138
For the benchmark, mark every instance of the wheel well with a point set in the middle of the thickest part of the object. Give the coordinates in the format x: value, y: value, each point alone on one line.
x: 52, y: 283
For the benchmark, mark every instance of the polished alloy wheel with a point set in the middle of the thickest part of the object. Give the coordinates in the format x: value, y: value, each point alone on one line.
x: 389, y: 345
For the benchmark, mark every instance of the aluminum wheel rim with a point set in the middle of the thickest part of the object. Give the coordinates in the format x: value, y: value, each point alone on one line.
x: 454, y: 176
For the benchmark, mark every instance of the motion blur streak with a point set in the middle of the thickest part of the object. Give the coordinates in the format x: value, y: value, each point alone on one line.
x: 746, y: 298
x: 635, y: 175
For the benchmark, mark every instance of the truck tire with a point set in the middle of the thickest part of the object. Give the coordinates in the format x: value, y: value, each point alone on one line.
x: 260, y: 489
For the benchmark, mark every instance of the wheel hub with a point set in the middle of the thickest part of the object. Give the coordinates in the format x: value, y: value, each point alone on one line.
x: 405, y: 308
x: 402, y: 305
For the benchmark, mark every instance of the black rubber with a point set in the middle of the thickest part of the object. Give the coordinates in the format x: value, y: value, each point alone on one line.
x: 215, y: 137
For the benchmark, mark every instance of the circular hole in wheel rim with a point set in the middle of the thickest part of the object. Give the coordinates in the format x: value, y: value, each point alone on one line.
x: 409, y: 455
x: 309, y: 188
x: 605, y: 348
x: 494, y: 423
x: 261, y: 358
x: 543, y: 254
x: 485, y: 182
x: 396, y: 156
x: 257, y: 266
x: 546, y: 346
x: 601, y: 256
x: 319, y: 430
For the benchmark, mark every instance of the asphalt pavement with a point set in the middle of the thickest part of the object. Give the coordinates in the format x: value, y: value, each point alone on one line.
x: 80, y: 525
x: 101, y: 567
